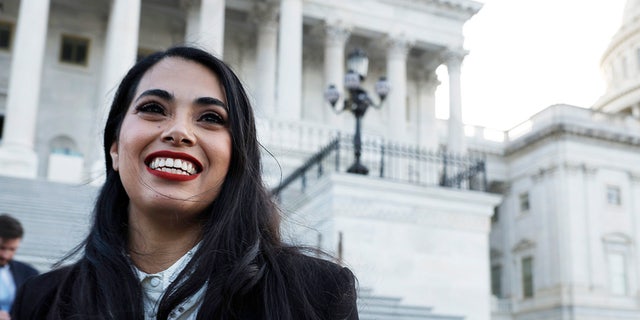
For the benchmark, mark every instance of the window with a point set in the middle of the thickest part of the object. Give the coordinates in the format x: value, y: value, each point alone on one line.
x: 638, y: 58
x: 74, y: 50
x: 617, y: 273
x: 1, y: 125
x: 6, y: 34
x: 524, y: 202
x: 527, y: 277
x: 496, y: 281
x: 623, y: 66
x: 613, y: 195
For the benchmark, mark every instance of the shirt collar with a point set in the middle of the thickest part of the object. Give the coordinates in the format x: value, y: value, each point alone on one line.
x: 168, y: 275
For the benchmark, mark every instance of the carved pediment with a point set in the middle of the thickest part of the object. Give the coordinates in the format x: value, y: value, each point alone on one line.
x: 524, y: 244
x: 617, y: 238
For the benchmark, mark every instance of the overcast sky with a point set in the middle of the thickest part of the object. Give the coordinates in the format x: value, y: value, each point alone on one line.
x: 526, y: 55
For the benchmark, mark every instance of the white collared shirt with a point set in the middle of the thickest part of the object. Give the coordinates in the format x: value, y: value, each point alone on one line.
x: 155, y: 285
x: 7, y: 288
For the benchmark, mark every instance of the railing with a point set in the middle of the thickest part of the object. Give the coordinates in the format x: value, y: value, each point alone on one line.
x: 395, y: 162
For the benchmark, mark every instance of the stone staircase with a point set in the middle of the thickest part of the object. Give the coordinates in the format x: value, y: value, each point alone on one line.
x: 55, y: 216
x: 374, y: 307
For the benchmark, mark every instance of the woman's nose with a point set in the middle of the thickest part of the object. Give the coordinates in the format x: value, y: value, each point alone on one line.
x: 179, y: 132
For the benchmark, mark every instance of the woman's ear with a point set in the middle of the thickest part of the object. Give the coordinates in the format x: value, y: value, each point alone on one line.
x: 113, y: 151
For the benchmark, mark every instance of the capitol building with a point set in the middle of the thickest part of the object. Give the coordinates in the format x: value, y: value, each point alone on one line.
x: 438, y: 219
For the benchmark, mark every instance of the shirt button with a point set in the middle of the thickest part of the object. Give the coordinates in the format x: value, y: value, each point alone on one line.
x: 155, y: 282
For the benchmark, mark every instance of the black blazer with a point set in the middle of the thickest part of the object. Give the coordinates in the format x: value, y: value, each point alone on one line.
x: 334, y: 292
x: 21, y: 272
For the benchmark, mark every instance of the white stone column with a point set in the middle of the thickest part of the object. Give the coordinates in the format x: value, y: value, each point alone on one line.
x: 205, y: 25
x: 17, y: 155
x: 428, y: 134
x: 456, y: 138
x: 336, y: 36
x: 121, y: 49
x: 266, y: 19
x: 289, y: 96
x: 396, y: 105
x: 121, y: 46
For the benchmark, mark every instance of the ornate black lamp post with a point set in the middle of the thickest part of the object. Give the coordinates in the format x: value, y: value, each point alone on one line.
x: 358, y: 101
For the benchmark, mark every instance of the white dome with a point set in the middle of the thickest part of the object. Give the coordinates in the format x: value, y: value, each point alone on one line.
x: 620, y: 65
x: 631, y: 11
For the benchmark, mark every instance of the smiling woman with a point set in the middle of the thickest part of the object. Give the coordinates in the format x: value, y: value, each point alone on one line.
x: 183, y: 227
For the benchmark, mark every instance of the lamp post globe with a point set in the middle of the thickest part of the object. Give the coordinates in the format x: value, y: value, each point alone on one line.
x: 358, y: 100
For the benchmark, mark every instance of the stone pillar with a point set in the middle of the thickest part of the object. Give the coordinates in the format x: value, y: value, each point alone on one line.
x: 265, y: 16
x: 17, y: 155
x: 336, y: 37
x: 427, y: 125
x: 205, y: 25
x: 456, y: 137
x: 289, y: 85
x: 121, y: 49
x: 396, y: 105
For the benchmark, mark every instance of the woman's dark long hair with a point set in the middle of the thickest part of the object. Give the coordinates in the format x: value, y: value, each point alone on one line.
x: 239, y: 255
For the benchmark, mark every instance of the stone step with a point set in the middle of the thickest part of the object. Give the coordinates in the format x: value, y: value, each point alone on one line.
x: 55, y: 216
x: 379, y: 307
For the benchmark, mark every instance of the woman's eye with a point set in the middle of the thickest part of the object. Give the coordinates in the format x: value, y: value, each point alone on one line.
x: 212, y: 118
x: 151, y: 108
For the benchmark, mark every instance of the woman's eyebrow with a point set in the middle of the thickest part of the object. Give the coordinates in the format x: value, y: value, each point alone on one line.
x: 207, y: 101
x: 157, y: 93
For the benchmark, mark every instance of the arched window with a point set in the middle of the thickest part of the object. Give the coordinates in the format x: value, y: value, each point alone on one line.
x: 63, y: 145
x: 66, y: 164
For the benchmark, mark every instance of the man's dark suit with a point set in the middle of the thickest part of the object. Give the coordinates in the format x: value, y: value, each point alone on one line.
x: 21, y: 272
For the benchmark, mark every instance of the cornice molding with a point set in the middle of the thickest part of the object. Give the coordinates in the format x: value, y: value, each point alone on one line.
x: 463, y: 9
x: 470, y: 7
x: 564, y: 129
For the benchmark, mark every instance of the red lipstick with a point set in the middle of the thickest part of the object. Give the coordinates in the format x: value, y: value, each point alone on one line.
x: 173, y: 155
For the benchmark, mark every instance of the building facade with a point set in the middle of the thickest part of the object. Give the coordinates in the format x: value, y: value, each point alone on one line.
x: 554, y: 236
x: 564, y: 239
x: 287, y: 52
x: 57, y: 76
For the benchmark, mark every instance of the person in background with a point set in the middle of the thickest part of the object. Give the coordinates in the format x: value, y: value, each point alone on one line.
x: 12, y: 273
x: 184, y: 227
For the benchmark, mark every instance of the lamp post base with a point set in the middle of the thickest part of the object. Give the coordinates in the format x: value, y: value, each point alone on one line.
x: 358, y: 168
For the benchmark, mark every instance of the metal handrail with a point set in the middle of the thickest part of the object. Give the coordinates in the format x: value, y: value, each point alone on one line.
x: 316, y: 159
x: 396, y: 162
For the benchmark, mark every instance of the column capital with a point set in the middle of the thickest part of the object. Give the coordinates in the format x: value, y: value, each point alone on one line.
x: 428, y: 79
x: 454, y: 57
x: 336, y: 33
x: 398, y: 46
x: 184, y: 4
x: 265, y: 14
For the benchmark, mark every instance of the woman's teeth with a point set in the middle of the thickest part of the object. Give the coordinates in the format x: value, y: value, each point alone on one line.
x: 175, y: 166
